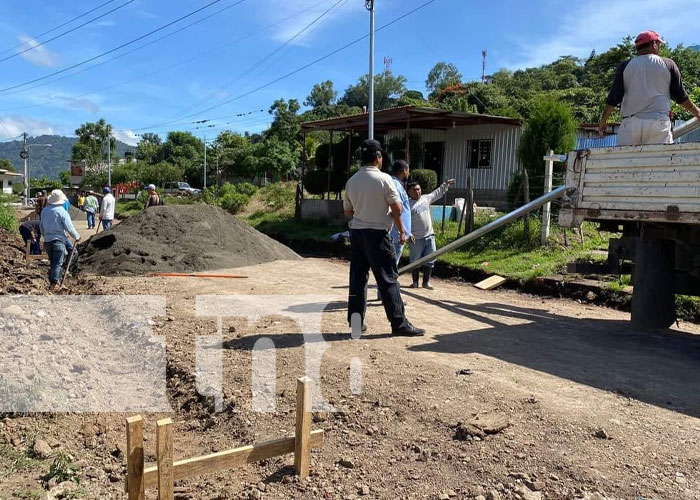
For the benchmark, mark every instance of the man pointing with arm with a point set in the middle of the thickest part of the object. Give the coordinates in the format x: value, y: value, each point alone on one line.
x: 374, y: 205
x: 644, y: 86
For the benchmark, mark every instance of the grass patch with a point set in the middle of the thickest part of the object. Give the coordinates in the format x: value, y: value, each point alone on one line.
x: 281, y: 223
x: 8, y: 220
x: 13, y: 461
x: 33, y: 494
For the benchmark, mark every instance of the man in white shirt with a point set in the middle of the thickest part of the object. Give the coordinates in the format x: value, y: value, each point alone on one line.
x: 107, y: 208
x: 373, y: 203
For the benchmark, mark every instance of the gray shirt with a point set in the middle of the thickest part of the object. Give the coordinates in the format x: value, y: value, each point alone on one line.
x: 368, y: 194
x: 421, y: 221
x: 644, y: 86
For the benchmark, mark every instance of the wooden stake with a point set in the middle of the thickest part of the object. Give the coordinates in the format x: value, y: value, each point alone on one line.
x: 134, y: 457
x: 547, y: 208
x: 526, y: 200
x: 164, y: 446
x: 302, y: 444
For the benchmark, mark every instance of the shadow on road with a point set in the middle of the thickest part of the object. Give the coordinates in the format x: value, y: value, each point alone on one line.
x: 659, y: 368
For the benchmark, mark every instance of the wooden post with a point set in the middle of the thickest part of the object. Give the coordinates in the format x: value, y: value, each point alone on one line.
x: 164, y: 447
x: 526, y: 199
x: 547, y: 208
x: 469, y: 224
x: 462, y: 216
x: 28, y: 250
x: 408, y: 140
x: 134, y: 458
x: 302, y: 443
x: 347, y: 173
x: 330, y: 164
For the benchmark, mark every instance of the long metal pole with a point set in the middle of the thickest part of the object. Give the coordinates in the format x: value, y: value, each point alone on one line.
x: 26, y: 171
x: 686, y: 128
x: 371, y: 71
x: 205, y: 162
x: 511, y: 216
x: 109, y: 158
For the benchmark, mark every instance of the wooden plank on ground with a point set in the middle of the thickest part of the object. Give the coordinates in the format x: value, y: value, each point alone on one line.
x: 164, y: 447
x: 134, y: 458
x: 224, y: 460
x: 491, y: 282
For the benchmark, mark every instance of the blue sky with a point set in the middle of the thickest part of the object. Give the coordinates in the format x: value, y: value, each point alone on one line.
x: 219, y: 59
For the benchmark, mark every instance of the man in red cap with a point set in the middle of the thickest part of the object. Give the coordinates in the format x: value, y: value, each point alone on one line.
x: 644, y: 86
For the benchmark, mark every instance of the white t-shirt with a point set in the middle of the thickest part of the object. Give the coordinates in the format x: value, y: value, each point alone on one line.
x: 107, y: 208
x: 368, y: 194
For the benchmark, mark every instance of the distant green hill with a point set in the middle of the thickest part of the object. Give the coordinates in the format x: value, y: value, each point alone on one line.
x: 47, y: 161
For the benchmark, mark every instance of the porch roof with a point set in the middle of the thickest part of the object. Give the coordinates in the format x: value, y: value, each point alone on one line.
x: 400, y: 118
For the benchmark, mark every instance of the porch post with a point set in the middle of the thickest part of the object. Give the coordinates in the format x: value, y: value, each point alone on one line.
x: 347, y: 173
x: 408, y: 139
x: 330, y: 164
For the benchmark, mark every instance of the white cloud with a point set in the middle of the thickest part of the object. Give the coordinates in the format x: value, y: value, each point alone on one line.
x: 15, y: 125
x: 78, y: 103
x: 41, y: 56
x: 590, y: 25
x: 288, y: 29
x: 127, y: 137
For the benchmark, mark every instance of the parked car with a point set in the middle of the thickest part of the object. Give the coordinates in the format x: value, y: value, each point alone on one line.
x: 181, y: 188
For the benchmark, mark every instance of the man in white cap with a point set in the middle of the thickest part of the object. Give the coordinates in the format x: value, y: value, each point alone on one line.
x: 154, y: 198
x: 644, y: 86
x: 107, y: 208
x: 55, y: 223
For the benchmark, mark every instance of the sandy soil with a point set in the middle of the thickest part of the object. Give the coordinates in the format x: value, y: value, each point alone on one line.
x: 595, y: 409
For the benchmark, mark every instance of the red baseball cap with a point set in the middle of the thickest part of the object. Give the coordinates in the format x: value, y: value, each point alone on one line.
x: 646, y: 37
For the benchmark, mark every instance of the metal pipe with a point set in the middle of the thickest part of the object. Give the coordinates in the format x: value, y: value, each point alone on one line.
x: 370, y: 6
x: 686, y: 128
x: 502, y: 221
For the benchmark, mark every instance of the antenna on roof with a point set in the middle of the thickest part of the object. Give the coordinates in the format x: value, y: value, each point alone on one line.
x: 387, y: 63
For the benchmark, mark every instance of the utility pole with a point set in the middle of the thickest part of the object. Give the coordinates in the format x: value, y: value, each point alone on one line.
x: 369, y: 5
x: 24, y: 155
x: 205, y: 162
x: 109, y: 157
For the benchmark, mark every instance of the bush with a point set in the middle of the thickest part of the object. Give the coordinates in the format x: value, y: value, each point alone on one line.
x: 515, y: 192
x: 316, y: 181
x: 427, y: 179
x: 7, y: 218
x: 278, y: 196
x: 234, y: 202
x: 246, y: 188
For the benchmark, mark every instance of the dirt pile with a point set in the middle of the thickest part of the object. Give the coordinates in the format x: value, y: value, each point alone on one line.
x: 15, y: 275
x: 179, y: 238
x: 76, y: 214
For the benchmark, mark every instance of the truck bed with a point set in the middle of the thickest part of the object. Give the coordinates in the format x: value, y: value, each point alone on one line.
x: 659, y: 183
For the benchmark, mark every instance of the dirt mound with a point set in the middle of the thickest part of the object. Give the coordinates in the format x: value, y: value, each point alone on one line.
x: 15, y: 275
x: 179, y: 238
x: 76, y: 214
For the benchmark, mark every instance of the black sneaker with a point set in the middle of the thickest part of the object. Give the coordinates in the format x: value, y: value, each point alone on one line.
x: 408, y: 331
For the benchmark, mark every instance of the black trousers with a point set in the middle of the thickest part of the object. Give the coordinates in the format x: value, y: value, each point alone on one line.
x: 372, y: 249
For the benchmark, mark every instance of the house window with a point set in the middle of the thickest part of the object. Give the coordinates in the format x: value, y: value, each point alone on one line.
x: 479, y: 153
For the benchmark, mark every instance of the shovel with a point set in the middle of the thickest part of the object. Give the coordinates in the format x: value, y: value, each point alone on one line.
x: 70, y: 261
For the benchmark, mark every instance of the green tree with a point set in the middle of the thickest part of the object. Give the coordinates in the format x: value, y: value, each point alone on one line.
x: 443, y: 74
x: 148, y: 147
x: 322, y: 100
x: 387, y: 90
x: 91, y: 145
x: 550, y: 126
x: 64, y: 177
x: 6, y: 164
x: 184, y: 151
x: 286, y: 125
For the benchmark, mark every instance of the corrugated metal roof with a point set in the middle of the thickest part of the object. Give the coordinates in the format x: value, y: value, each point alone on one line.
x: 608, y: 141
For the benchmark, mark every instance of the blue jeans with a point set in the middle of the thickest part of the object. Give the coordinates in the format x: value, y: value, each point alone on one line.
x: 423, y: 247
x: 90, y: 219
x: 106, y: 223
x: 57, y: 253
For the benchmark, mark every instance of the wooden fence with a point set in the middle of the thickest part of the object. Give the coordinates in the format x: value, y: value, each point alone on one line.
x: 166, y: 471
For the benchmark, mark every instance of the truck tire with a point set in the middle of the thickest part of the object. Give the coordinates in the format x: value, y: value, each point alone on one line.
x: 654, y: 298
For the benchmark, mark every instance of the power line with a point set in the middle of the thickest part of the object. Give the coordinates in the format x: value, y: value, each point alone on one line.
x: 258, y: 63
x: 315, y: 61
x: 165, y: 68
x: 190, y: 14
x: 67, y: 32
x: 127, y: 52
x: 59, y: 26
